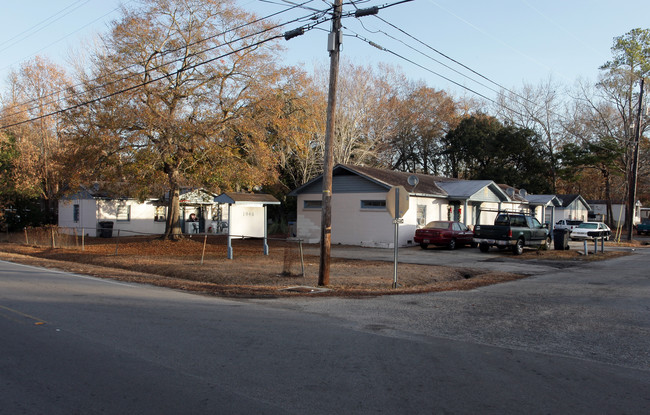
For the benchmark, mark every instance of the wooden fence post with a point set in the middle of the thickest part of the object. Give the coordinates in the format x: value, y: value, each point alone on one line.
x: 117, y: 241
x: 205, y: 240
x: 26, y: 239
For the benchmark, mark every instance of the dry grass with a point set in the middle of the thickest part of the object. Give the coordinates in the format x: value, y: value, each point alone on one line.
x: 177, y: 264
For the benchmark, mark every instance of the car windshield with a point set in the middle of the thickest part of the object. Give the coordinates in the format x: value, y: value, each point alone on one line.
x: 588, y: 226
x: 573, y: 222
x: 437, y: 225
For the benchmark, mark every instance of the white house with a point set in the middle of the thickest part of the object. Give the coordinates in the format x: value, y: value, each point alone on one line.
x: 93, y: 213
x: 573, y: 207
x: 359, y: 215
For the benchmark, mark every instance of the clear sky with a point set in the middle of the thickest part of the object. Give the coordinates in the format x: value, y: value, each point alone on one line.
x: 507, y: 41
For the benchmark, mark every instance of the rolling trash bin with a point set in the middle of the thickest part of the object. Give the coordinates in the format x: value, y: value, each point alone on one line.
x: 561, y: 239
x: 105, y: 229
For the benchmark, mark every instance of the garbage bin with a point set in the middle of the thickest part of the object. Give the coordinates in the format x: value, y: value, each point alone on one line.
x: 105, y: 229
x: 561, y: 239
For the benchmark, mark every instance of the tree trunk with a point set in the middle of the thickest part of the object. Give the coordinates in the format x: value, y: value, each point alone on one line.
x: 173, y: 225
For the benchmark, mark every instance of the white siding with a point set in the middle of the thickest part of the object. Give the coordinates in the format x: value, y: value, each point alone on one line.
x: 352, y: 225
x: 140, y: 219
x: 86, y: 223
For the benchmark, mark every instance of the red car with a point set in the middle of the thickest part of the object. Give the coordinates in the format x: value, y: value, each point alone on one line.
x: 444, y: 233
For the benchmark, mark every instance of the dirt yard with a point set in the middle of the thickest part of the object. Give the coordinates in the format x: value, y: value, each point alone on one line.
x: 177, y: 264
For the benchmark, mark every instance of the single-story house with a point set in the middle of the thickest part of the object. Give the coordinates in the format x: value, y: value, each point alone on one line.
x: 92, y: 212
x: 359, y: 215
x: 543, y: 207
x: 573, y: 207
x: 598, y: 211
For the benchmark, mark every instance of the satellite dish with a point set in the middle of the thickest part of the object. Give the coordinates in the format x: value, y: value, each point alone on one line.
x: 510, y: 191
x: 523, y: 192
x: 413, y: 181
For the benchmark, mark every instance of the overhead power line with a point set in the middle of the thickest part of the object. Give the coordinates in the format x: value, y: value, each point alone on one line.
x: 58, y: 92
x: 121, y: 91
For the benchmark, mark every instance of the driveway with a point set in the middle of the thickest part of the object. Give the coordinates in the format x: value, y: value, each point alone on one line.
x: 461, y: 257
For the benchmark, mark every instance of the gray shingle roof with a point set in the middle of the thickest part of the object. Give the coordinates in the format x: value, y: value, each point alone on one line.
x: 427, y: 184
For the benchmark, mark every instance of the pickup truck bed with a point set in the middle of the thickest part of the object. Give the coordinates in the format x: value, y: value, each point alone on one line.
x: 511, y: 230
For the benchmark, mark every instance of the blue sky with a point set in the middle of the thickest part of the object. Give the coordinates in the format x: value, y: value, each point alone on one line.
x: 509, y: 41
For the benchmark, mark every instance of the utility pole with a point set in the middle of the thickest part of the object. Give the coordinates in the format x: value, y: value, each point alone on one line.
x: 334, y: 43
x: 631, y: 203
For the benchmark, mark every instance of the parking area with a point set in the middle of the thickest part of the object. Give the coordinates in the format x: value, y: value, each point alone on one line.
x: 465, y: 257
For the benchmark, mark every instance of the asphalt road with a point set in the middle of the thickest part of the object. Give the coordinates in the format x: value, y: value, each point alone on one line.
x: 569, y: 341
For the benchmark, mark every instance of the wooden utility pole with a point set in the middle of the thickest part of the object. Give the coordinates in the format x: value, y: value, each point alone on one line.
x: 631, y: 202
x: 334, y: 43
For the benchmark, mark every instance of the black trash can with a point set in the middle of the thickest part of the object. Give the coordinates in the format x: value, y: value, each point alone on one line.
x: 561, y: 239
x: 105, y: 229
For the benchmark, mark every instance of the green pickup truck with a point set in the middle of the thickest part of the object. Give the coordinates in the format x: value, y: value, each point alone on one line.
x: 514, y: 230
x: 643, y: 227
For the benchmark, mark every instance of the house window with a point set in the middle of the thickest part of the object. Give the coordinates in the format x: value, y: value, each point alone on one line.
x: 123, y: 212
x: 75, y: 213
x: 373, y: 204
x: 313, y: 204
x: 161, y: 214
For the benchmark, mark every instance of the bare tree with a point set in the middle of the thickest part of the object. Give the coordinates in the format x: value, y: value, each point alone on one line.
x: 539, y: 108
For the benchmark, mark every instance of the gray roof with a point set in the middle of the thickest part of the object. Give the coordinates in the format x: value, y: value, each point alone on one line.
x: 543, y: 200
x: 246, y: 198
x: 464, y: 188
x: 427, y: 184
x: 568, y: 199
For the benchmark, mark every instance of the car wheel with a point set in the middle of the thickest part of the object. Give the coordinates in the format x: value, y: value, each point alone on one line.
x: 424, y: 246
x: 452, y: 244
x: 484, y: 247
x: 518, y: 248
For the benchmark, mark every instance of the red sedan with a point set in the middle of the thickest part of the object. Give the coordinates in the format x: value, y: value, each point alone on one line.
x: 444, y: 233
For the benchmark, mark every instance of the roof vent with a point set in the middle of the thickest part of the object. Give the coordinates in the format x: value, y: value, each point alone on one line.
x: 510, y: 191
x: 523, y: 192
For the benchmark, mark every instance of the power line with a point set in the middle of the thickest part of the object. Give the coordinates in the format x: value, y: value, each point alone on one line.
x: 35, y: 29
x: 163, y: 54
x: 88, y: 102
x: 383, y: 49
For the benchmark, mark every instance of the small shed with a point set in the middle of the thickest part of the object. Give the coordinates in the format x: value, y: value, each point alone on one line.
x: 247, y: 216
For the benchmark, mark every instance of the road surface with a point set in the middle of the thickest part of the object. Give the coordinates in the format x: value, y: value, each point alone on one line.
x: 571, y: 341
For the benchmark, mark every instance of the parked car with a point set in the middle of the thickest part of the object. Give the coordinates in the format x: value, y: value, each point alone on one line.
x: 567, y: 224
x: 514, y: 230
x: 586, y: 230
x: 643, y: 227
x: 444, y: 233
